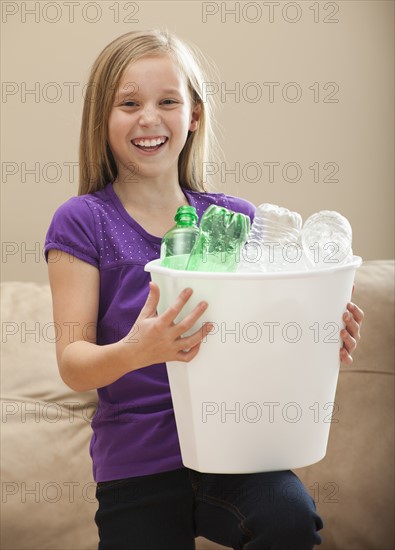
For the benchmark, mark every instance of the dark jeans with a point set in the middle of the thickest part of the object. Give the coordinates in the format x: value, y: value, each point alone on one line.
x: 246, y: 511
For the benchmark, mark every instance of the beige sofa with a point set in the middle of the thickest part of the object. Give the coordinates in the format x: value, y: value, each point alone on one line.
x: 48, y: 495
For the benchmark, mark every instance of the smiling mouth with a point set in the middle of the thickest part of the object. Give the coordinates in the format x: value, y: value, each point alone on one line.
x: 149, y: 145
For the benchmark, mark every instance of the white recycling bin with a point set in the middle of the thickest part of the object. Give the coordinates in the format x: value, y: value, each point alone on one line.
x: 260, y: 394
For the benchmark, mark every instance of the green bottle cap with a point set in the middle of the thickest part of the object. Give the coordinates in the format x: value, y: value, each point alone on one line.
x: 186, y: 215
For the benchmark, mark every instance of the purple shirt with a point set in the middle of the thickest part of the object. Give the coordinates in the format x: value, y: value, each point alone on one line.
x: 134, y: 430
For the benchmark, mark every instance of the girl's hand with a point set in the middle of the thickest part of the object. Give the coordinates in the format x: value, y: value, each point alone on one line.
x: 158, y: 338
x: 351, y: 333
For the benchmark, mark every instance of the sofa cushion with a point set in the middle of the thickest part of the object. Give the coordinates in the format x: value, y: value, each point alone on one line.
x: 354, y: 483
x: 374, y: 293
x: 48, y: 493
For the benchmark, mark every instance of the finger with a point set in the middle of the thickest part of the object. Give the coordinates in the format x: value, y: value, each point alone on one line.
x: 196, y: 338
x: 188, y: 355
x: 345, y: 357
x: 352, y: 326
x: 171, y: 313
x: 356, y: 311
x: 151, y: 303
x: 349, y: 343
x: 188, y: 322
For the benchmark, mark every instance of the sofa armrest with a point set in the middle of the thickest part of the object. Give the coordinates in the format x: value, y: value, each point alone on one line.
x: 354, y: 484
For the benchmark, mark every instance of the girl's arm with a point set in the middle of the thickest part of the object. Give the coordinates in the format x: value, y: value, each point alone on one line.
x: 84, y: 365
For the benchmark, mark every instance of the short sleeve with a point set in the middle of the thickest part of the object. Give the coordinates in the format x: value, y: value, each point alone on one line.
x: 72, y: 230
x: 241, y: 205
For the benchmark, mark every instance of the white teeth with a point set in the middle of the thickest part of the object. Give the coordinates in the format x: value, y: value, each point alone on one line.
x: 149, y: 142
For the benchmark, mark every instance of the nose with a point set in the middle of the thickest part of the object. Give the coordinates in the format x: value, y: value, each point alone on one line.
x: 149, y: 116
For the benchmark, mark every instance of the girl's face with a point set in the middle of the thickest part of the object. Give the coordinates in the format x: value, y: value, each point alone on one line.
x: 150, y: 120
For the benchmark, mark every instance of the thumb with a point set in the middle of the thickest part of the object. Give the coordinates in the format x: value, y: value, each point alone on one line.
x: 149, y: 308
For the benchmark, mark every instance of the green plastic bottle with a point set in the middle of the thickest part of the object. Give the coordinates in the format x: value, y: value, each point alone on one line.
x: 179, y: 241
x: 223, y: 233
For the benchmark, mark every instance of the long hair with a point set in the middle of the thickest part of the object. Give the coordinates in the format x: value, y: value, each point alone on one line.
x: 96, y: 162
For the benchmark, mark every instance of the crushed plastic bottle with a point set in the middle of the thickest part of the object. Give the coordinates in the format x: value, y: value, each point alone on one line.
x: 274, y: 241
x: 326, y: 239
x: 223, y: 233
x: 178, y: 242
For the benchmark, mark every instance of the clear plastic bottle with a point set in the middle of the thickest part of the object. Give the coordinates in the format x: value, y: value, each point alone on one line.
x: 178, y: 242
x: 326, y: 239
x: 274, y: 241
x: 222, y: 236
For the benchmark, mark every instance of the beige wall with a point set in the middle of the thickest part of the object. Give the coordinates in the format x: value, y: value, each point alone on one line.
x: 337, y: 55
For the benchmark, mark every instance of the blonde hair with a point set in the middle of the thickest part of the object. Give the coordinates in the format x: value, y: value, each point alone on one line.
x: 97, y: 164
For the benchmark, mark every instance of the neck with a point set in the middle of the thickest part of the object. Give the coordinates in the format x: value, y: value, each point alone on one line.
x: 152, y: 194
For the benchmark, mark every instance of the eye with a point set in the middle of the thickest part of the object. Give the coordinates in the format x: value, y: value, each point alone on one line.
x: 169, y: 101
x: 129, y: 103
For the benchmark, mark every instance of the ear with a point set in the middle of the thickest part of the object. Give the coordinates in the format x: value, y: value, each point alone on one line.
x: 195, y: 116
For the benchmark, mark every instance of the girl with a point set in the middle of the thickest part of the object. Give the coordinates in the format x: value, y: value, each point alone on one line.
x: 145, y: 137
